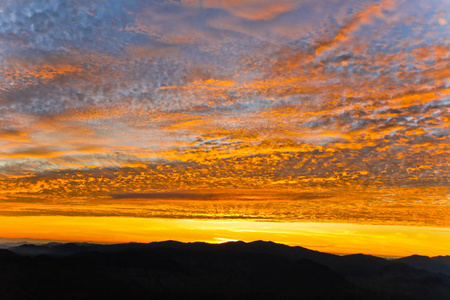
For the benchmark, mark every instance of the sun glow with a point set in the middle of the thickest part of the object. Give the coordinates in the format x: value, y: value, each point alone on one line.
x: 340, y: 238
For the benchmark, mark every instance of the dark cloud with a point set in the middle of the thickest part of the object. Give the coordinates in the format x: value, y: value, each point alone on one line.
x: 167, y: 196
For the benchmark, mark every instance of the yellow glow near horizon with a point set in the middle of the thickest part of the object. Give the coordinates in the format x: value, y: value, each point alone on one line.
x: 290, y: 117
x: 380, y: 240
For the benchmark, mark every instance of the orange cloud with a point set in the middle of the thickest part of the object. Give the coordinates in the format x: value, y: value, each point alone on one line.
x: 250, y: 9
x: 363, y: 17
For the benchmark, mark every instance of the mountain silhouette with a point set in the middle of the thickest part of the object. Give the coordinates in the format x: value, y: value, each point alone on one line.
x: 440, y: 264
x: 235, y: 270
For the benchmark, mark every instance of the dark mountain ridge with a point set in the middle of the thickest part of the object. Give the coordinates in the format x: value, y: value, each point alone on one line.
x: 235, y: 270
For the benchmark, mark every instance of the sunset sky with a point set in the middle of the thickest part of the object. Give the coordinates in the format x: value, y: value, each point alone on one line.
x: 320, y: 123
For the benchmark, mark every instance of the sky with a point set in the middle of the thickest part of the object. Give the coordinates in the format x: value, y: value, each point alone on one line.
x: 227, y: 117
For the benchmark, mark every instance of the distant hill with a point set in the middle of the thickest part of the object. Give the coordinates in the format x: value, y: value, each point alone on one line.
x: 439, y: 264
x: 235, y: 270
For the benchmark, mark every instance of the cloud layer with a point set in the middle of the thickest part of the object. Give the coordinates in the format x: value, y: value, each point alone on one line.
x: 109, y: 98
